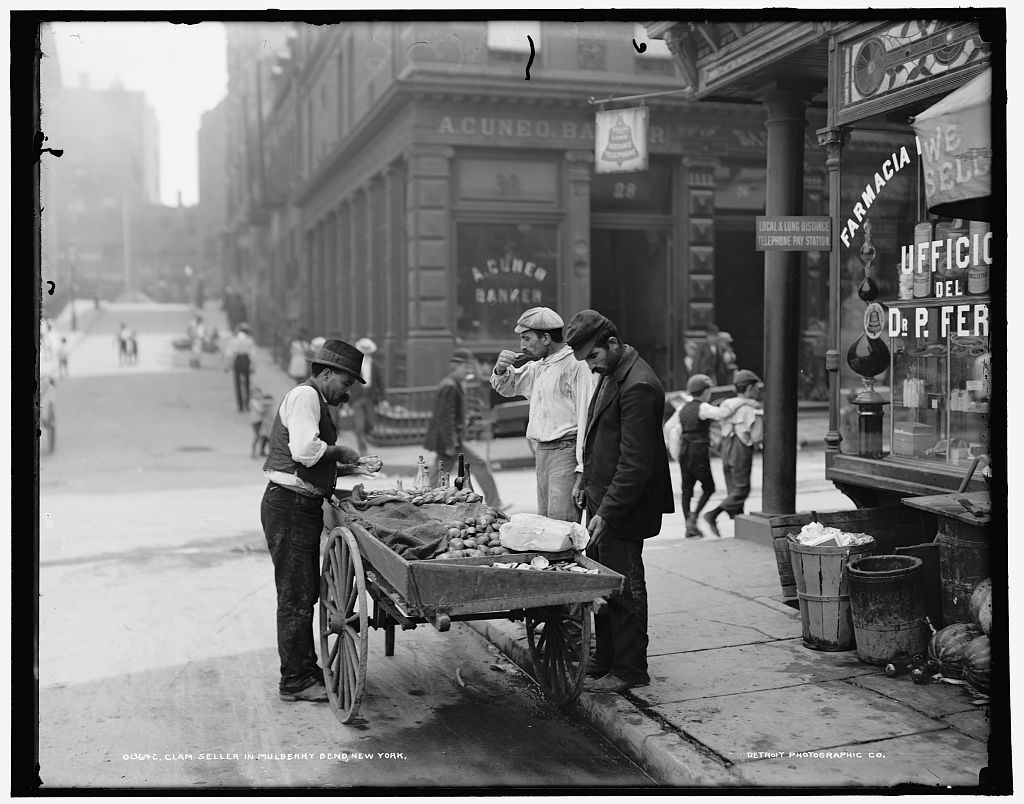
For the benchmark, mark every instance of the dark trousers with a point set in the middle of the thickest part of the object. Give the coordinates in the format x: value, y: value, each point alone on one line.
x: 621, y: 627
x: 292, y: 524
x: 483, y: 481
x: 737, y: 460
x: 241, y: 368
x: 695, y: 464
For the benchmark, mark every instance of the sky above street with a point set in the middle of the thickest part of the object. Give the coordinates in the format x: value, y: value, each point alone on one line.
x: 181, y: 68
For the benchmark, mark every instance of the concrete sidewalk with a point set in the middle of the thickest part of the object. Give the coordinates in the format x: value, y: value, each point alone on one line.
x: 736, y: 699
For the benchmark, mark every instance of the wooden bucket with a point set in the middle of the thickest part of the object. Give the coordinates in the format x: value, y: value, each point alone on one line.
x: 823, y: 592
x: 963, y: 564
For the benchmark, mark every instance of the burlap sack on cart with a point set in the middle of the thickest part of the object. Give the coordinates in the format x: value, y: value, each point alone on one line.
x: 402, y: 526
x: 535, y: 532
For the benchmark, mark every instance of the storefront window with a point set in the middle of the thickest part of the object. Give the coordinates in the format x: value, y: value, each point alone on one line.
x: 880, y: 185
x: 503, y: 269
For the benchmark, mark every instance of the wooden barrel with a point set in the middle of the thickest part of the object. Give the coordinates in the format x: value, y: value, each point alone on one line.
x: 785, y: 566
x: 821, y: 588
x: 887, y: 601
x: 963, y: 564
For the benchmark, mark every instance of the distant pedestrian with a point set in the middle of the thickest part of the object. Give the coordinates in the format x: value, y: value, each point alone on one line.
x: 257, y: 414
x: 710, y: 358
x: 695, y: 419
x: 738, y: 440
x: 133, y: 347
x: 238, y: 358
x: 121, y: 340
x: 626, y: 489
x: 197, y: 333
x: 298, y: 364
x: 269, y: 414
x: 62, y: 358
x: 200, y: 295
x: 364, y: 398
x: 447, y: 429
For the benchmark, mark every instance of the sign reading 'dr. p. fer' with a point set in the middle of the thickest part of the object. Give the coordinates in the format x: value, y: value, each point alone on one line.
x: 794, y: 233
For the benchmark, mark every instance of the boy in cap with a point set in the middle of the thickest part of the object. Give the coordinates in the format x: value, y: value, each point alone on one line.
x: 626, y: 489
x: 695, y: 419
x: 559, y: 389
x: 302, y: 466
x: 737, y: 446
x: 447, y: 429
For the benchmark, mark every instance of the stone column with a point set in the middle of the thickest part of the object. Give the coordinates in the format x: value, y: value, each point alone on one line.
x: 371, y: 284
x: 428, y: 223
x: 331, y: 273
x: 575, y: 276
x: 784, y: 196
x: 391, y: 249
x: 833, y: 140
x: 352, y: 274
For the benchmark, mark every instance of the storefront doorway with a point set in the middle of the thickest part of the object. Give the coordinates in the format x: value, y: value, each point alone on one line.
x: 630, y: 283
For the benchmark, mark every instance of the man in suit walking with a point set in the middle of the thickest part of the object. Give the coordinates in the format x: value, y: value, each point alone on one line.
x: 625, y: 490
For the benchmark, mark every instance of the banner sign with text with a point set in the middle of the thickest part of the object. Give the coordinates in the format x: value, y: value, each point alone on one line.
x: 794, y: 233
x: 620, y: 141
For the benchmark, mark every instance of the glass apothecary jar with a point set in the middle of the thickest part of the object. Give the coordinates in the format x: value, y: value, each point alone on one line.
x: 941, y: 379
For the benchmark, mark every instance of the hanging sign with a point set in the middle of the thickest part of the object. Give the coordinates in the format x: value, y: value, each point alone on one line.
x: 620, y: 141
x: 955, y: 140
x: 793, y: 232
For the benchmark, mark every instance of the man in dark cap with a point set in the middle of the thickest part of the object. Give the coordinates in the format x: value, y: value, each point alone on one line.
x: 626, y: 489
x: 302, y: 466
x: 738, y: 440
x: 447, y: 427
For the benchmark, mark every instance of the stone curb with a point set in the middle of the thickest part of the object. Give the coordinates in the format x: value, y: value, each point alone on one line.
x: 668, y: 756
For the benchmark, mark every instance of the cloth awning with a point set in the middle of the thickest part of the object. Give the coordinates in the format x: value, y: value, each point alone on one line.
x: 955, y: 140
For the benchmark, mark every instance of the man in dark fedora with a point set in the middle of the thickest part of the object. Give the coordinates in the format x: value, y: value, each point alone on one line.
x: 625, y: 490
x: 302, y: 466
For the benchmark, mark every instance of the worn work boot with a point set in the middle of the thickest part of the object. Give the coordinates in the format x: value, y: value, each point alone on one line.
x: 692, y: 530
x: 315, y: 693
x: 610, y: 683
x: 710, y: 517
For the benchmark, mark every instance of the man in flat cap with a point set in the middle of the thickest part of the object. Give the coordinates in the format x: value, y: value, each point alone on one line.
x: 302, y: 466
x: 737, y: 450
x: 447, y: 429
x: 559, y: 389
x: 626, y: 490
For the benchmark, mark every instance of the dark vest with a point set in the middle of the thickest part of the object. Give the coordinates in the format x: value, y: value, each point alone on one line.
x: 694, y: 428
x: 323, y: 474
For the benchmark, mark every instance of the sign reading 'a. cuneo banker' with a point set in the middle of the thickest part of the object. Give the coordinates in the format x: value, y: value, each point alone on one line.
x: 793, y: 233
x: 620, y: 141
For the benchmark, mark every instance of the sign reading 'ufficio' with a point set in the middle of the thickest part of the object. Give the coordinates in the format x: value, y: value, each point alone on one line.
x: 793, y: 233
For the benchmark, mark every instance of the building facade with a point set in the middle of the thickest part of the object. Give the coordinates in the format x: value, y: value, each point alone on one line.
x: 107, y: 176
x: 414, y: 188
x: 212, y: 209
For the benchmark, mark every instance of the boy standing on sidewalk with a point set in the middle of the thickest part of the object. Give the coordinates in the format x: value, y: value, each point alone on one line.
x: 737, y: 446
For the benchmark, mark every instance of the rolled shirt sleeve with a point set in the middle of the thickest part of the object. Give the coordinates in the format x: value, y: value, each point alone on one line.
x: 300, y: 413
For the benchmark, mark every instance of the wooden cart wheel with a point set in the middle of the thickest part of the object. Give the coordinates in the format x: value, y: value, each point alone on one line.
x: 344, y: 628
x: 559, y: 638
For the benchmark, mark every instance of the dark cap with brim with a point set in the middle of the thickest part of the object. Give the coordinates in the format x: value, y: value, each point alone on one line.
x: 582, y: 331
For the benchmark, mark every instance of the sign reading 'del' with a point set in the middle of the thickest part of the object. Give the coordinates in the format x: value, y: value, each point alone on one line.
x: 794, y: 233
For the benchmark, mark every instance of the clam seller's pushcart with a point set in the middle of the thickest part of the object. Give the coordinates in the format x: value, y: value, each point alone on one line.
x: 390, y: 551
